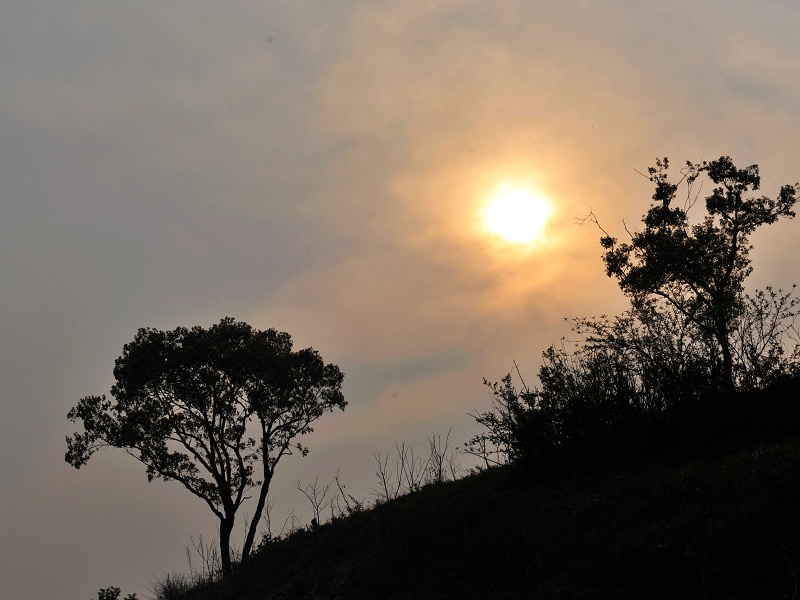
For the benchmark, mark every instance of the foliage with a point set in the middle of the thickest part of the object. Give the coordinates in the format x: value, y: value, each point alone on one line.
x: 762, y: 342
x: 112, y: 593
x: 205, y: 407
x: 620, y: 375
x: 699, y: 268
x: 509, y: 416
x: 626, y: 381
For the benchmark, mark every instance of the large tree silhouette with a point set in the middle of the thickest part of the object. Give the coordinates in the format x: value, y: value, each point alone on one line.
x: 698, y: 268
x: 207, y: 407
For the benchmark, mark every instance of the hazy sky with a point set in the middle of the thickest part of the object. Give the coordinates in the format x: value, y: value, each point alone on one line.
x: 320, y: 167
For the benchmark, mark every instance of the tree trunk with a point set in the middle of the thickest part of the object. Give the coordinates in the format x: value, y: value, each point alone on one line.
x: 225, y: 529
x: 727, y: 370
x: 262, y: 499
x: 726, y: 383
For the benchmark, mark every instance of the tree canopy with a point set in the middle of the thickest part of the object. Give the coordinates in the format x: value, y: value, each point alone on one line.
x: 698, y: 268
x: 214, y: 409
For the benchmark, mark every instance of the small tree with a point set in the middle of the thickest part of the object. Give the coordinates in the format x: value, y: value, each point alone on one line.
x: 699, y: 269
x: 205, y: 407
x: 514, y: 427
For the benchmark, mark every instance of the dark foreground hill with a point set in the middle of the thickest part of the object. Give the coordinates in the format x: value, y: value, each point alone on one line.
x: 725, y: 525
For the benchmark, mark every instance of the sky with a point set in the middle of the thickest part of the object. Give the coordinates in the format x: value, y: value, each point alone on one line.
x: 321, y: 167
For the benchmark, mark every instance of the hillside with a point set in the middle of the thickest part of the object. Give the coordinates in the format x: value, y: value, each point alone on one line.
x: 723, y: 525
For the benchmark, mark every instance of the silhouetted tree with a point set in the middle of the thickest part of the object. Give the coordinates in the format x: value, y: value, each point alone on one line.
x: 698, y: 268
x: 690, y: 332
x: 205, y: 407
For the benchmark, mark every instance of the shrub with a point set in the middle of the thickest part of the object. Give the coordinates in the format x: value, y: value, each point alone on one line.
x: 635, y: 382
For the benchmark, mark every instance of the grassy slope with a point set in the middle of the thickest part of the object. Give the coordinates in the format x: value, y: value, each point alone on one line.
x: 723, y: 526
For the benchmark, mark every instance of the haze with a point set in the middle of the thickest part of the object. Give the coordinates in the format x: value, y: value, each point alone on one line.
x: 320, y: 167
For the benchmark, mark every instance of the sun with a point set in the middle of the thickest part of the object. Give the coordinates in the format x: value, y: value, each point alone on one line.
x: 518, y: 215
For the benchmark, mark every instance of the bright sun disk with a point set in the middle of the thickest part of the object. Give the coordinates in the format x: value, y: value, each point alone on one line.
x: 517, y: 215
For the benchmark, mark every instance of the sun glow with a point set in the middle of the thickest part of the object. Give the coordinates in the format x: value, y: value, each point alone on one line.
x: 518, y: 215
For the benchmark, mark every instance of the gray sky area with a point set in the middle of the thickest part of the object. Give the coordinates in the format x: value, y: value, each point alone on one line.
x: 320, y: 167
